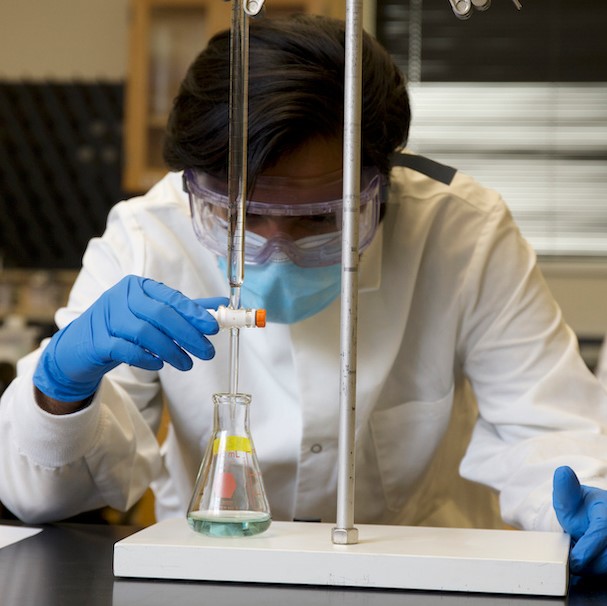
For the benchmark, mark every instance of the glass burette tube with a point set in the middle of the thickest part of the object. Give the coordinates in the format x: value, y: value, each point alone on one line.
x: 237, y: 170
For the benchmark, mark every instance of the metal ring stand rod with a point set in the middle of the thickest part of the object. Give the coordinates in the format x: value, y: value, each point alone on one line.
x: 344, y: 532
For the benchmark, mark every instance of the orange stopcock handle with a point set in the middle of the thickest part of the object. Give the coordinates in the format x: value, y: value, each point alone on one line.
x: 260, y: 318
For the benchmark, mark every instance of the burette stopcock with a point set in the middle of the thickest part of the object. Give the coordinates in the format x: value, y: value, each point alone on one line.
x: 228, y: 317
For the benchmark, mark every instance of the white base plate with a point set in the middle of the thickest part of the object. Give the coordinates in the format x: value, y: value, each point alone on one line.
x: 396, y: 557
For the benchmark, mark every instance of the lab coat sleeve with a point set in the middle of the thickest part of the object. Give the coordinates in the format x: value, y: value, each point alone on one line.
x: 539, y: 405
x: 53, y: 467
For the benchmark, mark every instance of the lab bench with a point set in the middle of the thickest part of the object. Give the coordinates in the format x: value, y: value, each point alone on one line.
x: 71, y: 564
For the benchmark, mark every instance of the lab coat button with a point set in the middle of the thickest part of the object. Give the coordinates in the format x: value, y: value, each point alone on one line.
x: 316, y: 448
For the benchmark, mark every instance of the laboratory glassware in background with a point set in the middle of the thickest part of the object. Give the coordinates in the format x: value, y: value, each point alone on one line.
x: 229, y: 498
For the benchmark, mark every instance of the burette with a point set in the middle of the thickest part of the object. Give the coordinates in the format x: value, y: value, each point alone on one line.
x: 237, y: 163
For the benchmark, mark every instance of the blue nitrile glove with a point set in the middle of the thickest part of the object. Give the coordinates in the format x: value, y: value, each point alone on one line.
x: 582, y: 512
x: 139, y: 322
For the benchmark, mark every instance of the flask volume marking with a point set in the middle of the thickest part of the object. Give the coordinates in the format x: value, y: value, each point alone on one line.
x: 231, y: 444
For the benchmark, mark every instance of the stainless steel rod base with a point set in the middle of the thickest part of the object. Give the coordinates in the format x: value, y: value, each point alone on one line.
x: 344, y: 536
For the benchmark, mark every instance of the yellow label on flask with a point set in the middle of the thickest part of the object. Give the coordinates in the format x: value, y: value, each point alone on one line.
x: 232, y: 444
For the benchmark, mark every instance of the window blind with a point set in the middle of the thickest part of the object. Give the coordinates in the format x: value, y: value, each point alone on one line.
x: 519, y: 101
x: 542, y: 146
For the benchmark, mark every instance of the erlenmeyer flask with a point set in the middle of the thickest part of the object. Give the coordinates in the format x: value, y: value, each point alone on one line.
x: 229, y: 498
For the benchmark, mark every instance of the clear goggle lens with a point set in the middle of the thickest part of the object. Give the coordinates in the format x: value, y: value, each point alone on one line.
x: 295, y: 218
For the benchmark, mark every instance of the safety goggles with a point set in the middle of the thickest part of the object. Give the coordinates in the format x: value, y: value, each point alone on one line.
x: 295, y: 218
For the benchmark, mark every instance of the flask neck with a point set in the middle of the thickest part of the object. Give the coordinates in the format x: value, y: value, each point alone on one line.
x: 231, y: 413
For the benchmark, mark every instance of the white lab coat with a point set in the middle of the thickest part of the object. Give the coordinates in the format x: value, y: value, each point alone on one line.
x: 451, y: 298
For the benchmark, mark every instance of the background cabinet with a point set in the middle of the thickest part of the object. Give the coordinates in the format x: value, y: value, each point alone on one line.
x: 165, y: 36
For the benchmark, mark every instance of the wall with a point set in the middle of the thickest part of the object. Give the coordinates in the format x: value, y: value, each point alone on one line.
x: 54, y: 39
x: 72, y: 38
x: 580, y: 287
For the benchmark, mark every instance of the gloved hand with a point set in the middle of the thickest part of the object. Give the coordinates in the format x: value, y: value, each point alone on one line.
x: 139, y: 322
x: 582, y: 512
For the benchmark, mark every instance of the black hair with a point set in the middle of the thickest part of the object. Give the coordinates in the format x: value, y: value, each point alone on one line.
x: 296, y: 93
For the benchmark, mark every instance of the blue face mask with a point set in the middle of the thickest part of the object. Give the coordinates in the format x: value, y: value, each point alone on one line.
x: 287, y: 292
